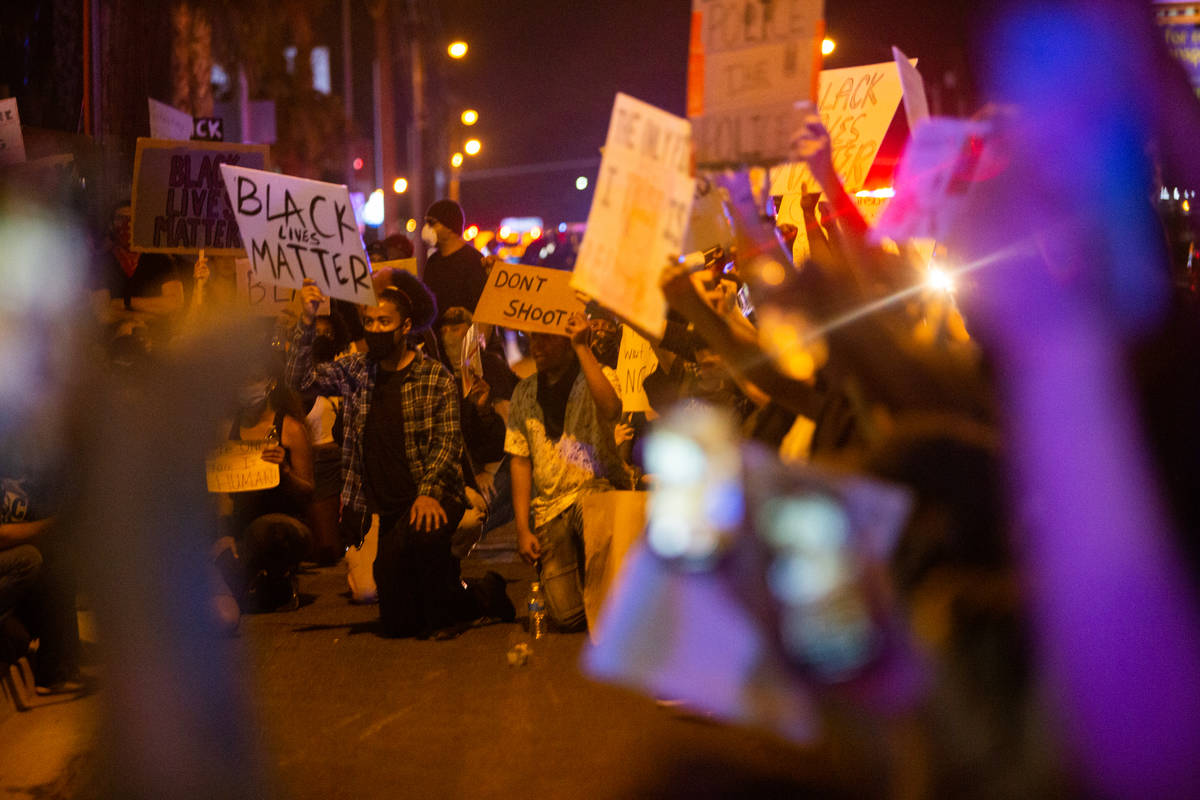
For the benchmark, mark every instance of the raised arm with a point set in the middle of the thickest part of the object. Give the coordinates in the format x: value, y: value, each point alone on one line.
x: 608, y: 403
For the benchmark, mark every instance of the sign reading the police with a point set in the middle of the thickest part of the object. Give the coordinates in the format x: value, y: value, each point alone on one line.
x: 537, y: 299
x: 856, y: 105
x: 239, y: 467
x: 264, y: 298
x: 12, y: 142
x: 168, y: 122
x: 296, y: 229
x: 639, y: 213
x: 211, y: 129
x: 748, y: 63
x: 179, y: 203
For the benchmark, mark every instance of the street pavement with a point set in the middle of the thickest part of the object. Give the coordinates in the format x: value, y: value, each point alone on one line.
x: 344, y: 713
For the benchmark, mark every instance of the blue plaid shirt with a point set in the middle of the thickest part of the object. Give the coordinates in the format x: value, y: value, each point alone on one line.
x: 433, y: 440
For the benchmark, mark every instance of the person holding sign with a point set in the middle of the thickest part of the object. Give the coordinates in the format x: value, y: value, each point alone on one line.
x: 401, y: 459
x: 560, y: 440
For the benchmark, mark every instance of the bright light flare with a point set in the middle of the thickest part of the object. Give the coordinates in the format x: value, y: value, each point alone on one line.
x: 828, y: 46
x: 581, y: 182
x: 456, y: 160
x: 410, y: 226
x: 400, y: 185
x: 939, y: 280
x: 373, y: 211
x: 471, y: 232
x: 358, y: 164
x: 505, y: 232
x: 535, y: 233
x: 472, y: 147
x: 457, y: 49
x: 470, y: 117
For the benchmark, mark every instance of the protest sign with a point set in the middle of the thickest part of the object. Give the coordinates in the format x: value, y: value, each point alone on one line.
x: 639, y: 212
x: 406, y: 264
x: 265, y: 298
x: 939, y: 165
x: 635, y: 361
x: 295, y: 228
x: 210, y: 129
x: 856, y: 105
x: 168, y: 122
x: 748, y: 63
x: 707, y: 224
x: 179, y: 203
x: 12, y: 142
x: 527, y: 298
x: 916, y: 105
x: 238, y: 467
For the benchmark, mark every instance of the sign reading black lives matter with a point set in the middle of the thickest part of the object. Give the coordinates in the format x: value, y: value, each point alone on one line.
x: 295, y: 228
x: 179, y: 203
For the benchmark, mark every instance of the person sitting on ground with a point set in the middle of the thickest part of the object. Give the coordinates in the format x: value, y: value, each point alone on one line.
x: 401, y: 461
x: 561, y: 448
x: 266, y: 540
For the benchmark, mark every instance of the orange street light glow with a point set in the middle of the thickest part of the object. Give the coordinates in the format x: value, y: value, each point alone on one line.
x: 400, y: 186
x: 471, y: 232
x: 456, y: 160
x: 472, y: 147
x: 457, y: 49
x: 828, y: 46
x: 470, y: 117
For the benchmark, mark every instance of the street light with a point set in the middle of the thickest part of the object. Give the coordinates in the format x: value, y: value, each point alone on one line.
x: 457, y: 49
x: 470, y: 117
x: 400, y: 186
x: 472, y: 147
x: 456, y: 160
x: 828, y: 46
x: 581, y: 182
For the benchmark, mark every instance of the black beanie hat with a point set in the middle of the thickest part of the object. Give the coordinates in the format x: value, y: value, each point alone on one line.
x: 449, y: 213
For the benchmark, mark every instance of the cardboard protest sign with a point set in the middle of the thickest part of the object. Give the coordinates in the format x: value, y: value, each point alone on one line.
x: 748, y: 63
x: 406, y: 264
x: 938, y: 167
x: 537, y: 299
x: 635, y: 361
x: 211, y: 129
x: 856, y: 105
x: 168, y: 122
x: 179, y: 203
x: 12, y: 142
x: 707, y: 224
x: 916, y: 105
x: 239, y: 467
x: 295, y: 228
x: 639, y: 212
x: 264, y: 298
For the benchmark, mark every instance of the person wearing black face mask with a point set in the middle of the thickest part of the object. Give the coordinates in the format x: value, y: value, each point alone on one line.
x: 401, y: 458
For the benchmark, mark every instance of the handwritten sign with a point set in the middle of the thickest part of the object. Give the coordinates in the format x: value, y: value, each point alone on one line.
x: 168, y: 122
x: 12, y: 142
x: 1183, y: 43
x: 916, y: 105
x: 639, y: 212
x: 938, y: 167
x: 295, y: 228
x: 179, y: 203
x: 748, y: 63
x: 528, y: 298
x: 406, y: 264
x: 264, y: 298
x: 635, y: 361
x: 856, y: 105
x: 238, y: 467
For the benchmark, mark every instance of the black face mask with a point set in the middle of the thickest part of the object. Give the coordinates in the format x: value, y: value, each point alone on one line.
x: 380, y: 344
x: 323, y: 349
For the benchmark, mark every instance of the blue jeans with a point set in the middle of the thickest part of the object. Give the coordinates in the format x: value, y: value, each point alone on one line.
x: 560, y: 568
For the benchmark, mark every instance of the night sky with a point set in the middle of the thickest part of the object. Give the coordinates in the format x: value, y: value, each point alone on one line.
x: 543, y: 76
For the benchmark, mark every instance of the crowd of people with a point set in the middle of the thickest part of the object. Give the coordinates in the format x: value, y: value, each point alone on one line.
x: 404, y: 432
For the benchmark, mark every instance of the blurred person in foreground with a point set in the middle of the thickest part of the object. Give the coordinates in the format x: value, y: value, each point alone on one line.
x: 401, y: 463
x: 561, y: 448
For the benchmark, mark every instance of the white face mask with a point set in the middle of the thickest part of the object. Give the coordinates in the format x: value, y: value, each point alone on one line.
x: 428, y: 235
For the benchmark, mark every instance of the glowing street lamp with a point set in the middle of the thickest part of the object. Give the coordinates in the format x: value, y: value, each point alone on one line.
x: 472, y: 147
x: 456, y: 160
x: 457, y: 49
x: 400, y: 186
x: 828, y: 46
x: 581, y: 182
x: 470, y: 117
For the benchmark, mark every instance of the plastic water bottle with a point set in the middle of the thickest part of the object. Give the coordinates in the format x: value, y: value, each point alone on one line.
x: 537, y: 611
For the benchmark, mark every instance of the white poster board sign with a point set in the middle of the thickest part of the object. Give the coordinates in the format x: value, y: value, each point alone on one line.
x: 168, y: 122
x: 295, y: 228
x: 916, y: 105
x: 12, y: 142
x: 639, y: 212
x: 635, y: 361
x: 266, y: 299
x: 748, y: 63
x: 238, y: 467
x: 856, y: 105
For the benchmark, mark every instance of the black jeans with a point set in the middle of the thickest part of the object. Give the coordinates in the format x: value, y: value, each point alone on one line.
x: 420, y: 588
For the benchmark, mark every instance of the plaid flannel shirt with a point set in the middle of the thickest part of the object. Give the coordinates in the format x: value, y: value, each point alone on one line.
x: 432, y: 432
